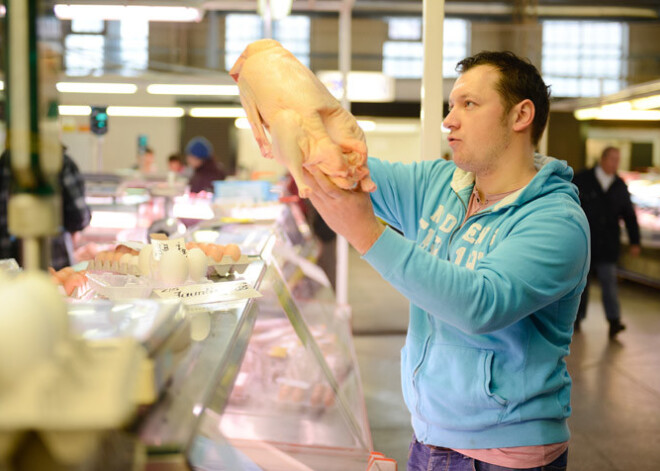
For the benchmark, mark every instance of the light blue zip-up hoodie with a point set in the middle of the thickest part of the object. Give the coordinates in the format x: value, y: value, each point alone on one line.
x: 493, y: 300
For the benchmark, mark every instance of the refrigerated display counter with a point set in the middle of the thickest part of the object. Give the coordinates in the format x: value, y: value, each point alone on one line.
x: 644, y: 190
x: 263, y: 383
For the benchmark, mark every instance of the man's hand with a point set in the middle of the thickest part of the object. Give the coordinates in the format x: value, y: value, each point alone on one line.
x: 635, y: 250
x: 346, y: 212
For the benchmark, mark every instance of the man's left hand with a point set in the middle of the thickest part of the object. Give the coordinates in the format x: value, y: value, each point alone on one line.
x: 635, y: 250
x: 349, y: 213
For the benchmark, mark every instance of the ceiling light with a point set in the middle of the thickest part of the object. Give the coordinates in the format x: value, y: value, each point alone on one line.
x: 2, y: 85
x: 182, y: 89
x: 647, y: 103
x: 74, y: 110
x: 123, y: 12
x: 146, y: 111
x: 621, y: 106
x: 80, y: 87
x: 366, y: 126
x: 615, y: 114
x: 224, y: 112
x: 242, y: 123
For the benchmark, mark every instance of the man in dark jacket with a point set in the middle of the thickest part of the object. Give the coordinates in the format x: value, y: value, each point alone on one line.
x: 199, y: 155
x: 605, y: 199
x: 76, y: 214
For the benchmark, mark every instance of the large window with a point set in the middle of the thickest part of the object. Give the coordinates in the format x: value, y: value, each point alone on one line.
x: 92, y: 47
x: 134, y: 44
x: 242, y: 29
x: 403, y: 54
x: 584, y: 58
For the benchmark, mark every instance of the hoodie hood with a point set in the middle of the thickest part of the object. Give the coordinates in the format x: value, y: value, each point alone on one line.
x: 551, y: 176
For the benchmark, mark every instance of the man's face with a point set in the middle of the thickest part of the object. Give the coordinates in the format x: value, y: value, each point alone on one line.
x: 479, y: 129
x: 610, y: 162
x: 193, y: 161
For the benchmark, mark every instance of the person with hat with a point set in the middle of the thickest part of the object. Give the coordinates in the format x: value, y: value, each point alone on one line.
x: 199, y: 155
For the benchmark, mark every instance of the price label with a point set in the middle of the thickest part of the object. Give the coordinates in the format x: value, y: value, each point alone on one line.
x: 210, y: 292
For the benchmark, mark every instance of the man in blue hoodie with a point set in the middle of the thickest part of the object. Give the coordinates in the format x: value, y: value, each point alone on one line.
x: 493, y: 255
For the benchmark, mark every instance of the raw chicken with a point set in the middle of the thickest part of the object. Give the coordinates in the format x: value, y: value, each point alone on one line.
x: 308, y: 126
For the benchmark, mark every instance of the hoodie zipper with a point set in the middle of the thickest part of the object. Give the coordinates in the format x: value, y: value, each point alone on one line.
x: 458, y: 227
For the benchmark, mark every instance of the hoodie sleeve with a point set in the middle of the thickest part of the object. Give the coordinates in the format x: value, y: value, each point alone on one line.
x: 538, y: 260
x: 396, y: 179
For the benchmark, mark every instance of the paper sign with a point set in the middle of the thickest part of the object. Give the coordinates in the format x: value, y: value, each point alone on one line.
x: 209, y: 292
x: 161, y: 245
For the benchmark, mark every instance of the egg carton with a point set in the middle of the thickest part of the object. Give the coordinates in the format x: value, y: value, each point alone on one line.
x: 227, y: 265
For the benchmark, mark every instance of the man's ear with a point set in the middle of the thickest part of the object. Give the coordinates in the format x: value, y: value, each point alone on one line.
x: 523, y: 115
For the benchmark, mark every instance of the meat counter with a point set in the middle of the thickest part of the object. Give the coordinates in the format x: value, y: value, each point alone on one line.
x: 296, y: 401
x: 266, y: 383
x: 644, y: 190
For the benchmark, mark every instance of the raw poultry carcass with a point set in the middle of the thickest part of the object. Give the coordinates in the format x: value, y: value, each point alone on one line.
x: 306, y: 123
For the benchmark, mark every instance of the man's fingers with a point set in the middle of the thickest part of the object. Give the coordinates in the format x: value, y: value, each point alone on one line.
x: 324, y: 183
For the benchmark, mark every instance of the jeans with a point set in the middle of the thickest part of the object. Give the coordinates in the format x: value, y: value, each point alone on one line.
x: 607, y: 277
x: 426, y: 458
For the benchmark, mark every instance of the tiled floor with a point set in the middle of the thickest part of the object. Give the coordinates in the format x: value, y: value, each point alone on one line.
x: 616, y: 385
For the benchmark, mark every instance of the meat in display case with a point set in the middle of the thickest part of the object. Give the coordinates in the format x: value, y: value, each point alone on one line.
x: 644, y: 191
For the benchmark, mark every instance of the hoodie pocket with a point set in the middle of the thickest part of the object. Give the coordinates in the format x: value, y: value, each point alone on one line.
x: 454, y: 387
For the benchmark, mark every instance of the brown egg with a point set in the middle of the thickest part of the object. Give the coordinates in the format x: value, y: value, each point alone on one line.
x: 233, y: 250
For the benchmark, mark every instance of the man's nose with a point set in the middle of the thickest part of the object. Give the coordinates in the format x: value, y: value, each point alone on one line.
x: 450, y: 120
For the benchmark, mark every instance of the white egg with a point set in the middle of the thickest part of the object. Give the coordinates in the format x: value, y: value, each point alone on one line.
x: 144, y: 260
x: 33, y: 320
x: 173, y: 267
x: 134, y: 267
x: 124, y: 263
x: 197, y: 264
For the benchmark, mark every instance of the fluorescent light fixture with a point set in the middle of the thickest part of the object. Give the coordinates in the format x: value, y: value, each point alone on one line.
x: 113, y: 220
x: 2, y: 85
x: 242, y: 123
x: 122, y: 12
x: 74, y: 110
x: 83, y: 87
x: 647, y: 103
x: 183, y: 89
x: 146, y: 111
x: 362, y: 86
x: 224, y: 112
x: 621, y: 106
x: 616, y: 114
x: 366, y: 125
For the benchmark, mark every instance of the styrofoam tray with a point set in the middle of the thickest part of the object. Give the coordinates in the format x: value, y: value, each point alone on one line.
x: 115, y: 287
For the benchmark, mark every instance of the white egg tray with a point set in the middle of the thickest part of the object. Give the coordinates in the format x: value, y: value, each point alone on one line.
x: 228, y: 265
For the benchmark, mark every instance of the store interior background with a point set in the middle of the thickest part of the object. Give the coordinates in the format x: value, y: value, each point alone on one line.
x: 617, y: 428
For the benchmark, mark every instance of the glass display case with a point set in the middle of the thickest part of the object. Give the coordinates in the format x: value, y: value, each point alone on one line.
x: 269, y: 382
x: 296, y: 402
x: 644, y: 190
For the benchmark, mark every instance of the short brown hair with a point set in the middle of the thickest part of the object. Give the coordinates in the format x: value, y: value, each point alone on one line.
x: 519, y: 80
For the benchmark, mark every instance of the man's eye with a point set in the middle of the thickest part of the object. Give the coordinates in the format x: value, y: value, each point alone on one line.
x: 469, y: 104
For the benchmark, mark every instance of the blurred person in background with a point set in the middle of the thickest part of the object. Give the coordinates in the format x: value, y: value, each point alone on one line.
x: 147, y: 161
x: 605, y: 200
x: 75, y: 213
x: 205, y: 169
